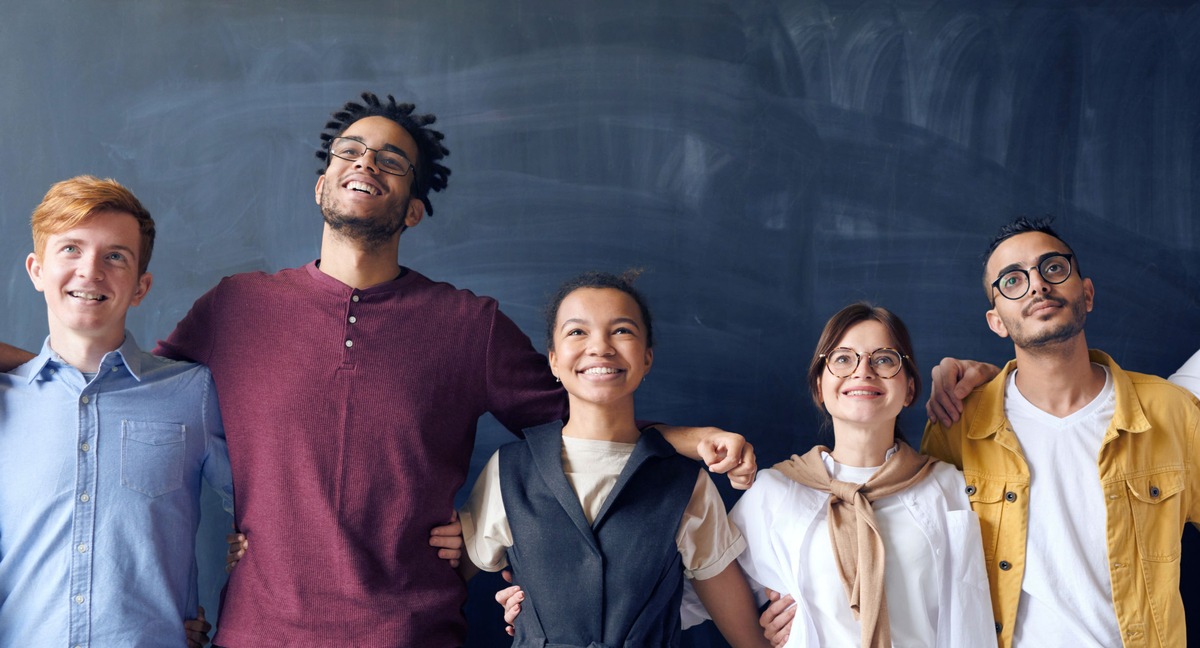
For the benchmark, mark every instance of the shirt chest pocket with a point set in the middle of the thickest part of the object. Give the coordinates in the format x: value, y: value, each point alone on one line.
x: 152, y: 457
x: 1155, y: 502
x: 988, y: 498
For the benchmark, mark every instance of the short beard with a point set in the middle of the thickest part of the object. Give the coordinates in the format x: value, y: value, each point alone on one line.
x: 1055, y: 336
x: 369, y: 234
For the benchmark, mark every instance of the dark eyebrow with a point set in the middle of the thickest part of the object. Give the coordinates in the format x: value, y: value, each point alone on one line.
x: 1019, y: 266
x: 390, y: 148
x: 619, y: 320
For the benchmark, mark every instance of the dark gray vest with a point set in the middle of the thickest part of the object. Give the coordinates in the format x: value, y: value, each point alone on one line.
x: 616, y: 582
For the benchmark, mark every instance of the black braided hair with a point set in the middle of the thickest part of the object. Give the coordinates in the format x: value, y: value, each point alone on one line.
x: 430, y: 174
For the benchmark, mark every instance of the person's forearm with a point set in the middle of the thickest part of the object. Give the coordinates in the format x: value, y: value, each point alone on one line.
x: 729, y: 602
x: 11, y: 357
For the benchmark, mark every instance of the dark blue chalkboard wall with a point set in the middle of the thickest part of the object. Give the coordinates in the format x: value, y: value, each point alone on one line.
x: 765, y: 161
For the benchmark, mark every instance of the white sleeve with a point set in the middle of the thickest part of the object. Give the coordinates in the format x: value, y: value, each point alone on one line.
x: 1188, y: 375
x: 755, y: 514
x: 486, y: 533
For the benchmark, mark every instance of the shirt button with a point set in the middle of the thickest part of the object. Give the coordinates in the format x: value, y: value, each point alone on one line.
x: 82, y: 548
x: 114, y: 368
x: 79, y: 599
x: 1005, y: 565
x: 999, y: 627
x: 1010, y: 496
x: 1154, y: 492
x: 84, y: 446
x: 353, y: 319
x: 971, y: 490
x: 85, y: 400
x: 354, y: 298
x: 84, y: 498
x: 349, y: 343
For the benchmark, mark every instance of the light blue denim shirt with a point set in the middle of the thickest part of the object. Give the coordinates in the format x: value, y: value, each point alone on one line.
x: 100, y: 498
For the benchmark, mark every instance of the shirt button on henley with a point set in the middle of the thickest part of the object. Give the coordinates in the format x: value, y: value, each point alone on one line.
x: 354, y: 298
x: 349, y: 343
x: 353, y: 319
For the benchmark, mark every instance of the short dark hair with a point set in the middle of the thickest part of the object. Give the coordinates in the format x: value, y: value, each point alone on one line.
x: 1022, y: 225
x: 430, y: 175
x: 593, y: 279
x: 835, y: 329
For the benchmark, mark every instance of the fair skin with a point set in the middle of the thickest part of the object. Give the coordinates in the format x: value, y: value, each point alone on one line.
x: 863, y: 406
x: 863, y: 409
x: 89, y: 276
x: 601, y: 355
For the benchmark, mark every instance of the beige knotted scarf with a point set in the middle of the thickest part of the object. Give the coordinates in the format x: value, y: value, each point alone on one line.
x: 857, y: 546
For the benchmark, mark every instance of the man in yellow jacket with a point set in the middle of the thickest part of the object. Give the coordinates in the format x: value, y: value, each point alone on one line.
x: 1082, y: 474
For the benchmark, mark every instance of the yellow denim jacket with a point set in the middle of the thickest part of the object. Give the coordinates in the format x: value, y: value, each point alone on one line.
x: 1149, y: 467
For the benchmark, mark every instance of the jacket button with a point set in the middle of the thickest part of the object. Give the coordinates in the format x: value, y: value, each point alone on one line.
x: 1005, y: 565
x: 999, y: 627
x: 1010, y: 496
x: 1154, y: 492
x: 971, y: 490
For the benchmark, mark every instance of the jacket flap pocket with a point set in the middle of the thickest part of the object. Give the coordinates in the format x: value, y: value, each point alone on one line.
x: 1157, y: 487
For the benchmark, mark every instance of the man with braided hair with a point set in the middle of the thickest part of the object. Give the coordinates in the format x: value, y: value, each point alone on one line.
x: 350, y: 389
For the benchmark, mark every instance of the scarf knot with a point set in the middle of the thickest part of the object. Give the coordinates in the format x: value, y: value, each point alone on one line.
x: 858, y: 549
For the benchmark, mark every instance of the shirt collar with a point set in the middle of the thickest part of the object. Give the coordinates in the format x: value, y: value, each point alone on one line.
x: 127, y: 355
x: 1129, y: 415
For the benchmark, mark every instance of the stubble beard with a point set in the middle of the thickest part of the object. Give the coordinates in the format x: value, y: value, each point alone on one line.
x: 1054, y: 336
x: 368, y: 233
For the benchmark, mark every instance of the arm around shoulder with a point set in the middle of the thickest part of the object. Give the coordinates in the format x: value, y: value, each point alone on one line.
x: 12, y: 357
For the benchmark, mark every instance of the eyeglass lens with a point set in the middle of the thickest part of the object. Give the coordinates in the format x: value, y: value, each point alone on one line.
x: 884, y: 362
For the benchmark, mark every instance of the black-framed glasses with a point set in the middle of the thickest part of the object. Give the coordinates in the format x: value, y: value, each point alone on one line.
x: 1054, y: 268
x: 351, y: 150
x: 842, y: 362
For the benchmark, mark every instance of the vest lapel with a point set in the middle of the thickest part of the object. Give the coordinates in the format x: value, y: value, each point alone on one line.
x: 650, y: 445
x: 545, y: 447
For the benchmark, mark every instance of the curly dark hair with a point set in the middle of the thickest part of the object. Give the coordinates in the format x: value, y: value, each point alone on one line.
x: 622, y: 282
x: 430, y: 175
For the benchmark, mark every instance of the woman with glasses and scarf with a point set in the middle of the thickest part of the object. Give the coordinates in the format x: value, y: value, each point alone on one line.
x: 876, y: 543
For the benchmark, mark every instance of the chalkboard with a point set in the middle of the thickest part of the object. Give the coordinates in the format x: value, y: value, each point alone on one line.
x: 765, y: 161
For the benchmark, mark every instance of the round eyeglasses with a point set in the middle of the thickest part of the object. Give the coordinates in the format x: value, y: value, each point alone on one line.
x: 351, y: 150
x: 1014, y: 283
x: 885, y: 363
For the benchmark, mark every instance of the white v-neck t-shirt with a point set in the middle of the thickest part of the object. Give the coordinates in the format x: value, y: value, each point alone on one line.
x: 1066, y: 594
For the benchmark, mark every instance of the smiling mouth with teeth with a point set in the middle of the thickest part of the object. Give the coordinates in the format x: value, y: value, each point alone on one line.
x: 601, y: 370
x: 362, y: 187
x: 78, y: 294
